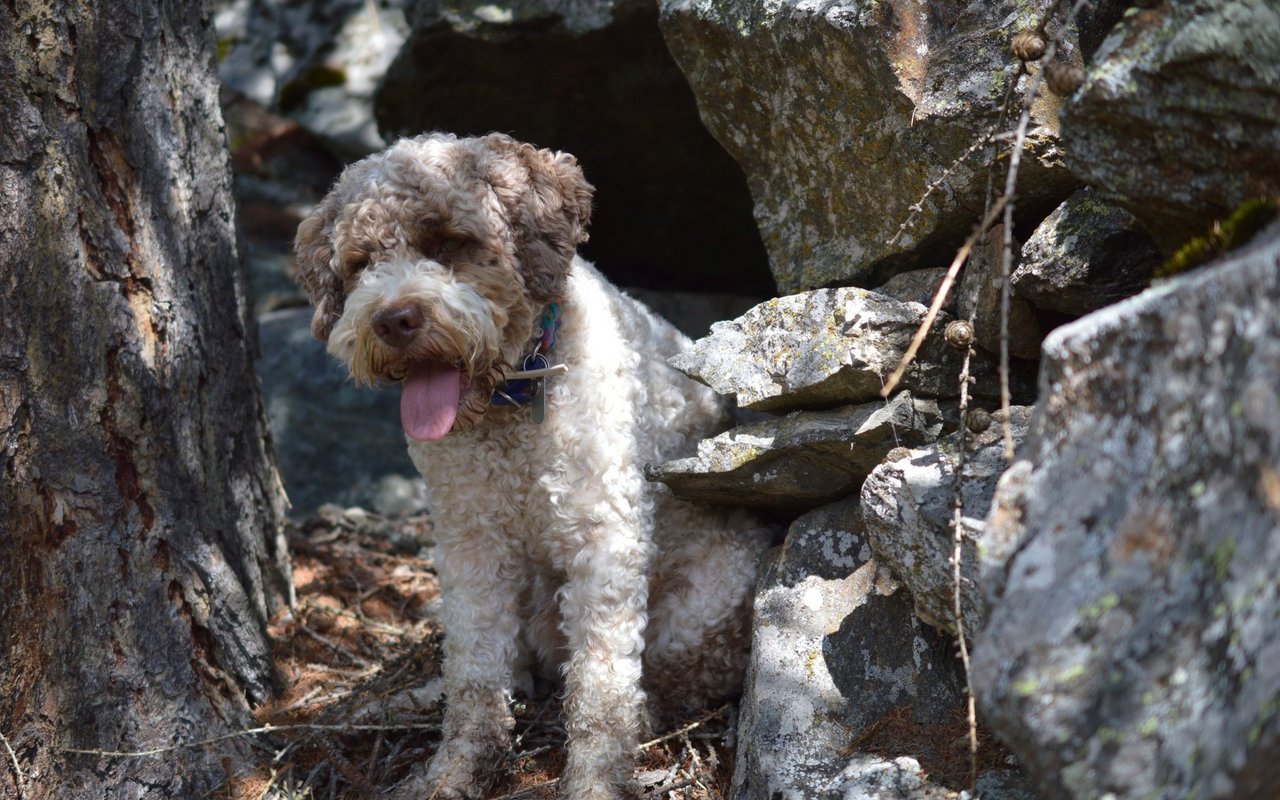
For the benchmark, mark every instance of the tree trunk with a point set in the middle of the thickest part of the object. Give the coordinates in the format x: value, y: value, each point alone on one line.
x: 141, y: 549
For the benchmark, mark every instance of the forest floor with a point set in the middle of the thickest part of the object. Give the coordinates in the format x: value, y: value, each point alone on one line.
x: 359, y: 659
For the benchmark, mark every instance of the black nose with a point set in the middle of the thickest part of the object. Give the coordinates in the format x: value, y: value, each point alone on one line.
x: 397, y: 325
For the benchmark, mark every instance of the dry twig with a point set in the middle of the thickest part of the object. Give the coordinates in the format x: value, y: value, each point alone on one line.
x: 19, y: 778
x: 957, y: 559
x: 940, y: 297
x: 299, y: 726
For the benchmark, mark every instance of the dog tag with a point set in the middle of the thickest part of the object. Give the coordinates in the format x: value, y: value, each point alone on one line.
x: 538, y: 405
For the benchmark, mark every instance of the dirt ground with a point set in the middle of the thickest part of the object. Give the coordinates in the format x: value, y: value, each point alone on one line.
x: 360, y: 661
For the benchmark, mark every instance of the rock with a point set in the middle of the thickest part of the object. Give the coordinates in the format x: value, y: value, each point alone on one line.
x: 872, y: 777
x: 594, y: 78
x: 802, y: 460
x: 836, y: 648
x: 908, y: 507
x: 842, y: 114
x: 980, y: 299
x: 917, y: 286
x: 827, y: 347
x: 1177, y: 120
x: 318, y: 62
x: 334, y: 441
x: 1087, y: 254
x: 1133, y: 648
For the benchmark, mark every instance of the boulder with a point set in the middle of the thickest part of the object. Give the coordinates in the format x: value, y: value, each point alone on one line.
x: 908, y: 508
x: 828, y: 347
x: 843, y: 113
x: 1085, y: 255
x: 335, y: 442
x: 1177, y: 119
x: 318, y: 62
x: 594, y: 78
x: 917, y: 286
x: 802, y: 460
x: 1132, y: 649
x: 836, y: 648
x: 878, y: 777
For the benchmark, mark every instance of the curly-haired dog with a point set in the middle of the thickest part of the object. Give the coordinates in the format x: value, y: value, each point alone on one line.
x: 447, y: 264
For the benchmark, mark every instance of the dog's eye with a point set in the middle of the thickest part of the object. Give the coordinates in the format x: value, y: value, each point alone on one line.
x: 354, y: 264
x: 445, y: 246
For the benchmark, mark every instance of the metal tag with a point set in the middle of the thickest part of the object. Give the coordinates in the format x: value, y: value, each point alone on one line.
x: 538, y: 405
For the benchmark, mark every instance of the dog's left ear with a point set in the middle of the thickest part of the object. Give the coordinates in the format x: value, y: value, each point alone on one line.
x: 551, y: 210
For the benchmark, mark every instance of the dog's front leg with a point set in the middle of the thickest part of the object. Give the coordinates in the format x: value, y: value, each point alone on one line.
x: 604, y: 613
x: 482, y: 581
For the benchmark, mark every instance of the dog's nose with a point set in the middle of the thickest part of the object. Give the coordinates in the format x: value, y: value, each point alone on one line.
x: 397, y: 325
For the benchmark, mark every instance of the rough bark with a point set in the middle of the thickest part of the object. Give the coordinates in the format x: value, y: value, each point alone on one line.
x: 141, y: 551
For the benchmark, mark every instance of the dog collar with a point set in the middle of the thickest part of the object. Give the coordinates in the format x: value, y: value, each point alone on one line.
x: 528, y: 387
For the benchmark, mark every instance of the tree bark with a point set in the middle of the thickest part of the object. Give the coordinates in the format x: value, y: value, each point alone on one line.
x: 141, y: 547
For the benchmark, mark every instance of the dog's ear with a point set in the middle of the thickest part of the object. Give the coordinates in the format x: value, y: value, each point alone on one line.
x: 313, y: 257
x: 550, y: 209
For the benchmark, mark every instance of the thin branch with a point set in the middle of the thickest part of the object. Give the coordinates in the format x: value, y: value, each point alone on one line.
x: 957, y: 560
x: 17, y: 768
x: 531, y: 788
x: 940, y: 297
x: 1011, y: 179
x: 918, y: 206
x: 682, y: 731
x: 306, y: 726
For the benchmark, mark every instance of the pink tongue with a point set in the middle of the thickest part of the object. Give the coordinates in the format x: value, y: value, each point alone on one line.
x: 429, y: 400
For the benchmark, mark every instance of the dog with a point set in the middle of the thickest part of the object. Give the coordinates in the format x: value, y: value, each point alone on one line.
x: 450, y: 265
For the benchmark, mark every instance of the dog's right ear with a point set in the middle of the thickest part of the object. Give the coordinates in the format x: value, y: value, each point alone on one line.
x: 313, y: 258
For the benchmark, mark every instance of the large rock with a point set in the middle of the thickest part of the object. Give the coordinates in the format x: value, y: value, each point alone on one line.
x: 908, y: 505
x: 1177, y: 120
x: 594, y: 78
x: 1085, y: 255
x: 828, y: 347
x: 918, y: 286
x: 802, y: 460
x: 318, y: 62
x: 842, y: 113
x: 335, y: 442
x: 836, y: 647
x: 1135, y: 648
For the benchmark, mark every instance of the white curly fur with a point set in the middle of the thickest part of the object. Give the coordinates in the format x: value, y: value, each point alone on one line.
x: 550, y: 542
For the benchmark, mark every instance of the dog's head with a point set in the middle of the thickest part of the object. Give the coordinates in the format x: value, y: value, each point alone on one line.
x: 431, y: 262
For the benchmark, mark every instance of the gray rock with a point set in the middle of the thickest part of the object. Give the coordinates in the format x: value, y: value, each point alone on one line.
x: 335, y: 442
x: 319, y: 62
x: 1134, y: 648
x: 1177, y: 120
x: 842, y: 113
x: 979, y: 299
x: 917, y: 286
x: 827, y: 347
x: 836, y: 647
x: 908, y: 508
x: 875, y: 777
x: 872, y: 777
x: 802, y: 460
x: 594, y: 78
x: 1087, y: 254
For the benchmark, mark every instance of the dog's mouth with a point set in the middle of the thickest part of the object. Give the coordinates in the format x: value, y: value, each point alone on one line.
x: 429, y: 399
